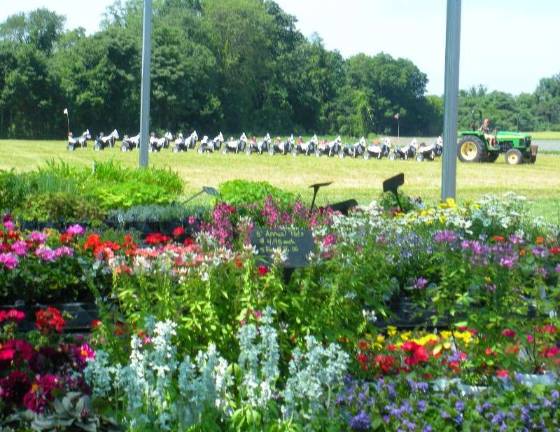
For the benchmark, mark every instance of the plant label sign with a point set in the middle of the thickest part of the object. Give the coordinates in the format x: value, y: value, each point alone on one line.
x: 295, y: 242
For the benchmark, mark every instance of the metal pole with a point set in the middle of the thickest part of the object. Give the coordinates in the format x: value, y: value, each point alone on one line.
x: 452, y: 54
x: 145, y: 92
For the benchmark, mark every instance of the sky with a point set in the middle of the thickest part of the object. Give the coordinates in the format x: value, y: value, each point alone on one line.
x: 506, y: 45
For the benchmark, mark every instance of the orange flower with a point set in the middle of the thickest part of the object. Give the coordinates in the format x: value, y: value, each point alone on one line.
x: 539, y: 240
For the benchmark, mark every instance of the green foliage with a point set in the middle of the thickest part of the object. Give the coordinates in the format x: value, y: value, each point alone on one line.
x: 58, y: 191
x: 244, y: 193
x: 57, y: 206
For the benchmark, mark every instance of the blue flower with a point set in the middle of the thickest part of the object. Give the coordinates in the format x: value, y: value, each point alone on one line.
x: 360, y: 422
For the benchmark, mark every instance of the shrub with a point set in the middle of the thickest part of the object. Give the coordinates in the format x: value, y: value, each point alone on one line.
x: 244, y: 192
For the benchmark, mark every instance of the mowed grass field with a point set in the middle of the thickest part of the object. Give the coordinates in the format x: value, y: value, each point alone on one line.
x: 352, y: 178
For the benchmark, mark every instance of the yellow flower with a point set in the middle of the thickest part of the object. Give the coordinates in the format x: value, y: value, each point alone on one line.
x: 391, y: 331
x: 445, y: 334
x: 406, y: 335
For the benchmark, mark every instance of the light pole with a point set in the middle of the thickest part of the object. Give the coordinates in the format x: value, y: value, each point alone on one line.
x: 452, y: 54
x: 145, y: 90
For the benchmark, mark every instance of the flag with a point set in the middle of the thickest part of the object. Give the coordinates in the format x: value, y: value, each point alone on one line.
x: 396, y: 116
x: 66, y: 111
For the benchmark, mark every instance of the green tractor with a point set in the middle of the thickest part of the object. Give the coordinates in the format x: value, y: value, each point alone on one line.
x: 474, y: 147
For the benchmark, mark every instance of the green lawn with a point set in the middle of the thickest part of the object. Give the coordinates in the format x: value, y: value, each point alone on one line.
x: 358, y: 179
x: 546, y: 135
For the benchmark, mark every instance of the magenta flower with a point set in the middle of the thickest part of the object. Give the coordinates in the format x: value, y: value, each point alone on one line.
x: 19, y: 248
x: 9, y: 260
x: 557, y: 269
x: 14, y: 387
x: 9, y: 225
x: 40, y: 394
x: 45, y: 253
x: 75, y: 230
x: 37, y: 237
x: 12, y: 315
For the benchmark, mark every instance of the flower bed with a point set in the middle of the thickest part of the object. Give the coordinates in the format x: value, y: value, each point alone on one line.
x: 195, y: 332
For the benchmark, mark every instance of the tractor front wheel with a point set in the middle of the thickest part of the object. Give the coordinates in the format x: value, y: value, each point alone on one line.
x: 471, y: 149
x: 514, y: 157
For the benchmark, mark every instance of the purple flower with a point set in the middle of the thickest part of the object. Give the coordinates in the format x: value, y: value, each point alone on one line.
x: 9, y: 260
x: 445, y: 236
x: 422, y: 405
x: 428, y: 428
x: 539, y: 251
x: 75, y: 230
x: 37, y: 237
x: 45, y: 253
x: 459, y: 405
x: 555, y: 394
x: 360, y: 422
x: 421, y: 283
x: 507, y: 262
x: 557, y: 269
x: 515, y: 239
x: 19, y: 248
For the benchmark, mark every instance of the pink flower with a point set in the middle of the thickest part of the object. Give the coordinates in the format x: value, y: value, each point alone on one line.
x: 19, y: 248
x: 9, y: 225
x: 63, y: 251
x: 37, y: 237
x: 509, y: 333
x: 530, y: 338
x: 9, y: 260
x: 75, y: 230
x: 502, y: 373
x: 12, y: 315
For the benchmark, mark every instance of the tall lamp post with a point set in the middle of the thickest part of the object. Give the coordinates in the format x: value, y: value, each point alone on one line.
x: 452, y: 54
x: 145, y: 90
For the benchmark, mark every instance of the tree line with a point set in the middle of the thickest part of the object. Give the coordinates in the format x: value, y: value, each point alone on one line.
x: 228, y: 65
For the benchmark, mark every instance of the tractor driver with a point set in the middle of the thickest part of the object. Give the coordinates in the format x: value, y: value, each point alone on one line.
x: 485, y: 129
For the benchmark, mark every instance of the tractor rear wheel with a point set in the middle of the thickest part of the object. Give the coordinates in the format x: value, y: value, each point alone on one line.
x: 514, y: 157
x: 471, y: 149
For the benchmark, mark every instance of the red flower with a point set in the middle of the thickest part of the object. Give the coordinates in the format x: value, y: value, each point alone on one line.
x: 92, y: 242
x: 490, y: 352
x: 49, y: 319
x: 416, y: 353
x: 95, y: 323
x: 550, y: 352
x: 555, y: 250
x: 156, y: 239
x: 363, y: 344
x: 363, y: 360
x: 263, y: 270
x: 509, y: 333
x: 498, y: 238
x: 188, y: 241
x: 502, y: 373
x: 65, y: 238
x: 178, y: 232
x: 386, y: 363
